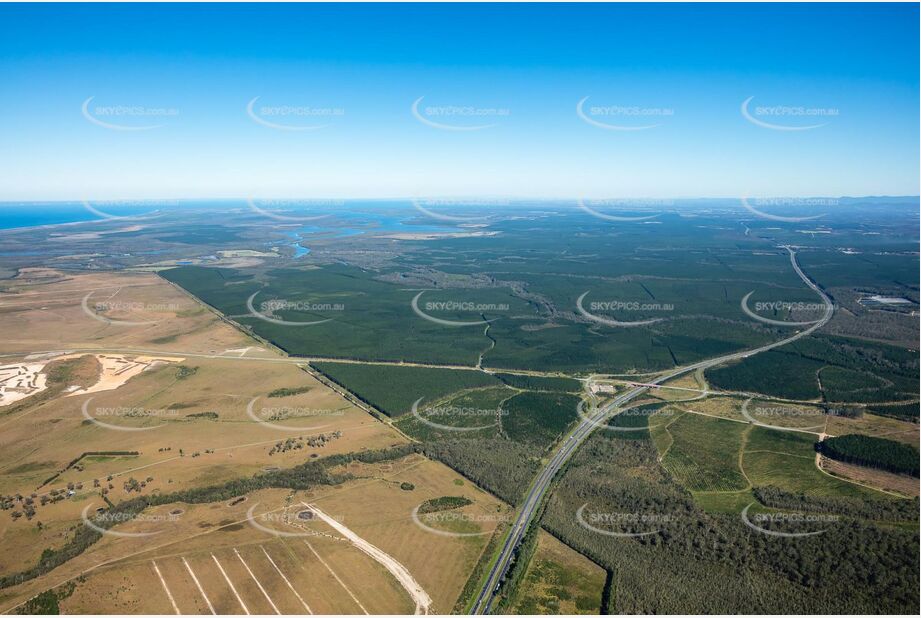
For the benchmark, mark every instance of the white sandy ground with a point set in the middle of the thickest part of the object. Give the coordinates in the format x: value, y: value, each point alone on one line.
x: 20, y: 380
x: 118, y: 369
x: 422, y: 600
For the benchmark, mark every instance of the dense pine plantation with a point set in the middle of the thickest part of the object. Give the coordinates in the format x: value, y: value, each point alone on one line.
x: 698, y: 562
x: 873, y: 452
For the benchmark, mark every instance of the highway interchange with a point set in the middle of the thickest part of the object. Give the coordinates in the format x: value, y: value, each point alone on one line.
x: 574, y: 440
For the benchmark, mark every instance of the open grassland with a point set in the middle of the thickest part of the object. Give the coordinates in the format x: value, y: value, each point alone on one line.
x: 900, y: 484
x: 704, y: 454
x: 43, y: 309
x: 729, y: 408
x: 559, y: 580
x: 874, y: 425
x: 331, y: 575
x: 787, y: 460
x: 220, y: 407
x: 690, y: 386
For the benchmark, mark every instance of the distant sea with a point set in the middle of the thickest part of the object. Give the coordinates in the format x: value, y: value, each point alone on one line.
x: 13, y: 215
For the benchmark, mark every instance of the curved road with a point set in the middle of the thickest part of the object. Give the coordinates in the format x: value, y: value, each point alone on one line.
x: 540, y: 485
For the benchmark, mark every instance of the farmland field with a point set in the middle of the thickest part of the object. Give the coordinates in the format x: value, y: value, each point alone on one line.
x: 169, y: 396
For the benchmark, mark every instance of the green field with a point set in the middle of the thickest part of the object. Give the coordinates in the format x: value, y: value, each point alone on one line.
x: 704, y: 455
x: 394, y: 389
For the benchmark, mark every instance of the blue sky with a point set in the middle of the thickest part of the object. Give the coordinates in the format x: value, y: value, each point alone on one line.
x: 518, y: 71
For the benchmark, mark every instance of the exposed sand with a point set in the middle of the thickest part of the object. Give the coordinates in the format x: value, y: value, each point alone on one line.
x: 118, y: 369
x: 20, y: 380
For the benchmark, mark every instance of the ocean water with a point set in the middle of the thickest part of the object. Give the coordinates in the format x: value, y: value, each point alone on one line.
x: 13, y: 215
x: 33, y: 214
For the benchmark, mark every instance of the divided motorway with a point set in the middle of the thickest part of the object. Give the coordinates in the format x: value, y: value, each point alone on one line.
x: 570, y: 444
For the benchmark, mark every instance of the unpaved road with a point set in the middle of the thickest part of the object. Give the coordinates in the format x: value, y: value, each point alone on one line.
x: 419, y: 596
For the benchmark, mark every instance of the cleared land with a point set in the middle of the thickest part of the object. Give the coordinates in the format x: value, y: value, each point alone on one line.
x: 559, y: 580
